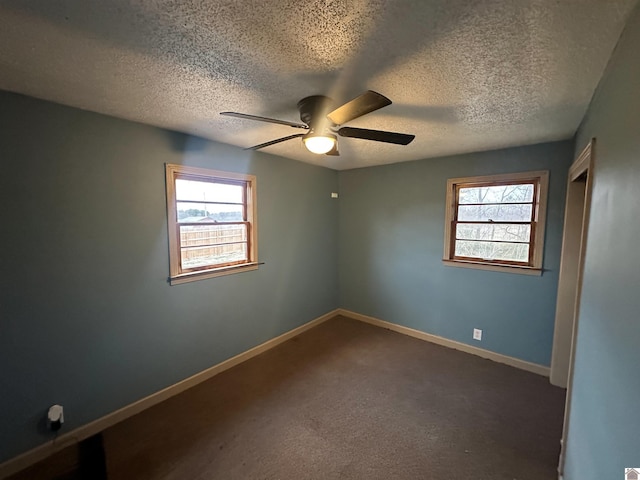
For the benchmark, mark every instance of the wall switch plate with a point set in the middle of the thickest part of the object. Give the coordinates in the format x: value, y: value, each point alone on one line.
x: 334, y: 195
x: 477, y: 334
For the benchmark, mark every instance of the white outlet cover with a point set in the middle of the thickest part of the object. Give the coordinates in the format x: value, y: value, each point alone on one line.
x: 477, y: 334
x: 56, y: 414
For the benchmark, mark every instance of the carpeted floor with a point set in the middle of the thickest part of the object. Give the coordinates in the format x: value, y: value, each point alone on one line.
x: 351, y: 401
x: 344, y: 400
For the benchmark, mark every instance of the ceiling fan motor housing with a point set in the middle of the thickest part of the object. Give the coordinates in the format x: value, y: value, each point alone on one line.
x: 314, y: 110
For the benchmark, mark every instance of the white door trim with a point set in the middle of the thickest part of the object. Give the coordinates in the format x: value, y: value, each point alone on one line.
x: 583, y: 165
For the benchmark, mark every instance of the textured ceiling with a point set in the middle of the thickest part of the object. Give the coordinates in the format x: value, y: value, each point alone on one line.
x: 463, y: 75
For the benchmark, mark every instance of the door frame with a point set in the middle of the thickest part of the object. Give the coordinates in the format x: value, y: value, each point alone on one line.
x: 583, y: 165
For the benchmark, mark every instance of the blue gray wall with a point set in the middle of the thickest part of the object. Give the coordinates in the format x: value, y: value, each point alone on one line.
x: 87, y: 318
x: 604, y: 425
x: 391, y: 247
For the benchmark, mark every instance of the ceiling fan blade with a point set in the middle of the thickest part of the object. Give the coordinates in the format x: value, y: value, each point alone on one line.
x: 273, y: 142
x: 334, y: 151
x: 359, y: 106
x: 264, y: 119
x: 377, y: 135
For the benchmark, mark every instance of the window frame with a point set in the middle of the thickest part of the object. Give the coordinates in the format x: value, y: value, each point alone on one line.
x: 180, y: 275
x: 540, y: 180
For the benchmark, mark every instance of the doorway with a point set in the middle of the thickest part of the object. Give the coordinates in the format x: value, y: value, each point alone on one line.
x: 576, y: 221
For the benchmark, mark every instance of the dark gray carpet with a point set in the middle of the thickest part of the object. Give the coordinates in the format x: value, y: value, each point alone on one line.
x: 352, y: 401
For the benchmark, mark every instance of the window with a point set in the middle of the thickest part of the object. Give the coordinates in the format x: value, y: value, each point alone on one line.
x: 211, y: 222
x: 496, y: 222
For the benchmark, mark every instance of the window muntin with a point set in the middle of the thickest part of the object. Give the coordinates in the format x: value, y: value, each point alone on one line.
x: 211, y: 221
x: 497, y: 220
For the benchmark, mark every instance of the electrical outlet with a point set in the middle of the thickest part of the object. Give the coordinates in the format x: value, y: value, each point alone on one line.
x: 55, y: 417
x: 334, y: 195
x: 477, y: 334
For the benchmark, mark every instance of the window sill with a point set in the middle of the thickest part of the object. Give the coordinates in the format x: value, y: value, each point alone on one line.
x: 494, y: 267
x: 214, y: 272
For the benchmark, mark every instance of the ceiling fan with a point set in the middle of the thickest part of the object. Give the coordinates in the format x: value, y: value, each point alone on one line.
x: 323, y: 123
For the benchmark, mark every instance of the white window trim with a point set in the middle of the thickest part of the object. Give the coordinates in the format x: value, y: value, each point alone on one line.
x: 176, y: 278
x: 541, y: 217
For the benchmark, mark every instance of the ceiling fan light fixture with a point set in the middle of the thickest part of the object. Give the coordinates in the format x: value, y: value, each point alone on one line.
x: 319, y: 144
x: 322, y: 128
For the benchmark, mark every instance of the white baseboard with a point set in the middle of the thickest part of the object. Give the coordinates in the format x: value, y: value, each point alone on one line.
x: 496, y: 357
x: 41, y: 452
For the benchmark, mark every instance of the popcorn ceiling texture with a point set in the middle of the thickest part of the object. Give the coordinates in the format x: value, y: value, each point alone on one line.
x: 463, y: 75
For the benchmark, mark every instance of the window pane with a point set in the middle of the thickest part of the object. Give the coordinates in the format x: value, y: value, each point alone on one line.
x: 195, y: 257
x: 208, y: 191
x: 208, y: 212
x: 520, y: 212
x: 488, y: 231
x: 497, y: 194
x: 196, y: 235
x: 516, y: 252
